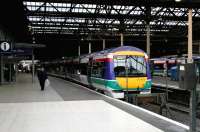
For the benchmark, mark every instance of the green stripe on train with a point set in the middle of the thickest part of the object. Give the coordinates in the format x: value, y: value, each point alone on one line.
x: 107, y: 83
x: 147, y: 85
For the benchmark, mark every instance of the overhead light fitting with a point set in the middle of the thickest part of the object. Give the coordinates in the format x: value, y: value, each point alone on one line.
x: 177, y: 0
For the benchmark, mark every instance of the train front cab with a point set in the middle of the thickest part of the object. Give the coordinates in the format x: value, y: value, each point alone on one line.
x: 132, y: 72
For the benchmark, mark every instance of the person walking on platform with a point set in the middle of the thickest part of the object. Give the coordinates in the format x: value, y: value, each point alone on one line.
x: 42, y: 76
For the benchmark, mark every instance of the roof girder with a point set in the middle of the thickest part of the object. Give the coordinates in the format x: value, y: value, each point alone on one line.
x: 151, y: 3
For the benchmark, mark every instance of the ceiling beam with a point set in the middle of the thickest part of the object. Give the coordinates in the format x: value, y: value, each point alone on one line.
x: 150, y: 3
x: 99, y: 25
x: 108, y: 16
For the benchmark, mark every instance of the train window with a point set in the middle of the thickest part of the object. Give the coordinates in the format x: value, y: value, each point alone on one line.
x: 119, y: 71
x: 98, y: 69
x: 83, y: 69
x: 129, y: 66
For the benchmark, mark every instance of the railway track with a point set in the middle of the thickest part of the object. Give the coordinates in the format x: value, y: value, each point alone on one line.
x: 178, y: 100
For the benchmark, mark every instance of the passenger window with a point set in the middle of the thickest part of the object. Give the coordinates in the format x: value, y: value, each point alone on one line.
x: 98, y: 69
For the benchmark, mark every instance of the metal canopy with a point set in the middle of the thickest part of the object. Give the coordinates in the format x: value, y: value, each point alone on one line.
x: 167, y: 18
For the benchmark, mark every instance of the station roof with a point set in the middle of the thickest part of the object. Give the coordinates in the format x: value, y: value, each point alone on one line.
x: 111, y: 17
x: 76, y: 20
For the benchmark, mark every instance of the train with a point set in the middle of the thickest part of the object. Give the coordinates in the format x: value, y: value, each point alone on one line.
x: 159, y: 65
x: 168, y: 65
x: 114, y: 71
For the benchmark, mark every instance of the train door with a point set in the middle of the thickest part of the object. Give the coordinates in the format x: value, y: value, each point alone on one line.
x: 104, y: 70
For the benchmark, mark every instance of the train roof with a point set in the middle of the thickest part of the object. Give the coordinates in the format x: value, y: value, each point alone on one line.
x: 85, y: 57
x: 112, y: 50
x: 116, y: 49
x: 122, y: 48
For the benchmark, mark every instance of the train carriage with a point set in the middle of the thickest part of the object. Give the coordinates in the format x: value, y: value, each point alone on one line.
x: 115, y: 71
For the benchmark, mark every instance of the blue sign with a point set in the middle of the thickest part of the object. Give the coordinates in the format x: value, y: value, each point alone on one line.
x: 6, y: 49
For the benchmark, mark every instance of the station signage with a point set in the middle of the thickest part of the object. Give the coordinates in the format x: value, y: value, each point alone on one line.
x: 5, y: 47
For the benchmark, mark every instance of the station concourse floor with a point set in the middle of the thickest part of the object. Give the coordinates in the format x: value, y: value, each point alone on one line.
x: 26, y: 91
x: 67, y: 107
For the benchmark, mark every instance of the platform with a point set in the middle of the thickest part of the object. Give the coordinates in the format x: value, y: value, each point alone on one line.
x: 65, y: 106
x: 69, y: 116
x: 26, y: 91
x: 159, y: 81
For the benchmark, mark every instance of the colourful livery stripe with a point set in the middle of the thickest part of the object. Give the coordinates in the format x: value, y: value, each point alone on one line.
x: 103, y: 60
x: 134, y: 53
x: 131, y: 82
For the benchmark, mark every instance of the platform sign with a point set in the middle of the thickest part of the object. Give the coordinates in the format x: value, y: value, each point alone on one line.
x: 5, y: 47
x: 21, y: 51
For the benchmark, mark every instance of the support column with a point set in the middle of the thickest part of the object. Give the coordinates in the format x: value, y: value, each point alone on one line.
x: 33, y: 66
x: 33, y: 59
x: 104, y: 44
x: 89, y: 47
x: 190, y: 60
x: 122, y: 39
x: 148, y: 39
x: 199, y: 46
x: 79, y: 50
x: 2, y: 79
x: 10, y: 74
x: 193, y: 104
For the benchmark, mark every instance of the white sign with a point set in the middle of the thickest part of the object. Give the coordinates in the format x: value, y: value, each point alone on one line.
x: 182, y: 68
x: 5, y: 46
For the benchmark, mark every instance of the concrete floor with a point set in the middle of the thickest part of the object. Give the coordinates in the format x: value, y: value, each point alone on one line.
x: 69, y: 116
x: 26, y: 91
x: 69, y: 91
x: 66, y: 90
x: 65, y: 106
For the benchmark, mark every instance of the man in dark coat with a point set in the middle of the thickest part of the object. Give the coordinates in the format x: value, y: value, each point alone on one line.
x: 42, y: 76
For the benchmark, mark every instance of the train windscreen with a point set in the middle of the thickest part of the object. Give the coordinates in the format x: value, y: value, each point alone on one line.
x: 129, y: 66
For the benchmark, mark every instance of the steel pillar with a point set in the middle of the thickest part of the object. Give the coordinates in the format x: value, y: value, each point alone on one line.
x: 2, y: 65
x: 190, y: 60
x: 104, y: 44
x: 33, y: 66
x: 193, y: 104
x: 89, y: 47
x: 79, y: 50
x: 148, y: 40
x: 122, y: 39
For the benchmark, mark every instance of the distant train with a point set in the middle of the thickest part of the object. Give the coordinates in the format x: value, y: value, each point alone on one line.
x: 113, y: 71
x: 159, y: 65
x: 169, y: 64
